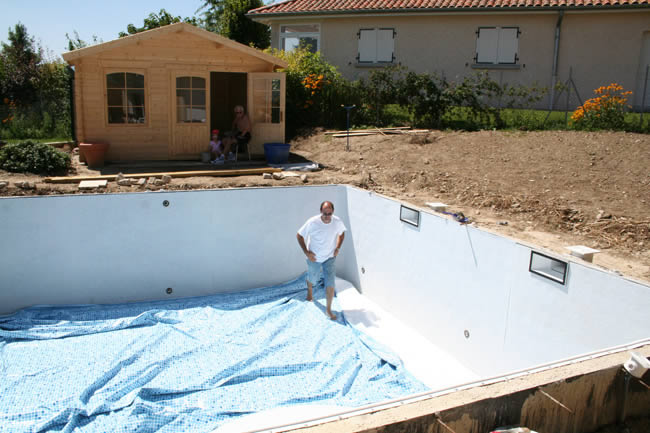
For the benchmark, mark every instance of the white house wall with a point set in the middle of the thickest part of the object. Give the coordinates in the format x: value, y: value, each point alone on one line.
x: 600, y: 47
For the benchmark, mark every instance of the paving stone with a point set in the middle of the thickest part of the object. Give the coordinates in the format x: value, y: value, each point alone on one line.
x: 267, y: 176
x: 304, y: 178
x: 166, y: 179
x: 3, y: 185
x: 142, y: 181
x: 25, y: 185
x: 278, y: 176
x: 125, y: 182
x: 92, y: 184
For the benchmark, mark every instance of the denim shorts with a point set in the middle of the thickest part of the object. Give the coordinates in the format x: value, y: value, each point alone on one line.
x: 327, y: 268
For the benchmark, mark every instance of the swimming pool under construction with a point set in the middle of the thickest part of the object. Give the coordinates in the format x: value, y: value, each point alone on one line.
x: 186, y: 311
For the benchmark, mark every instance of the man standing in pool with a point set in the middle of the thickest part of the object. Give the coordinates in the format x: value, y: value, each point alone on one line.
x: 320, y: 239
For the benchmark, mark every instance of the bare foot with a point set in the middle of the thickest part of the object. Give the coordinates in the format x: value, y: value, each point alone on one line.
x: 332, y: 315
x: 310, y: 298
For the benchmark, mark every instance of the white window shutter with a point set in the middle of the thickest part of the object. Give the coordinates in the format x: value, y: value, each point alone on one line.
x: 508, y: 45
x: 367, y: 45
x: 385, y: 45
x: 486, y: 45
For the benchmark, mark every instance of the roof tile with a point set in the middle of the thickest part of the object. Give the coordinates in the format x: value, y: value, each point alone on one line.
x: 325, y: 6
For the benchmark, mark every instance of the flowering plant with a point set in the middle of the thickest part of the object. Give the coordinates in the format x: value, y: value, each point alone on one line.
x: 605, y: 111
x: 8, y: 111
x: 314, y: 84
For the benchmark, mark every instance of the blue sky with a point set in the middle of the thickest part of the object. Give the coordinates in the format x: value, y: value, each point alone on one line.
x: 49, y: 20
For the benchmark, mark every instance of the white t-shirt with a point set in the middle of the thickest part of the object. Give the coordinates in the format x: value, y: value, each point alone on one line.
x: 321, y: 238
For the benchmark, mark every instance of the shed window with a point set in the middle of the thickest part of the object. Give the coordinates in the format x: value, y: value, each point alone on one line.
x: 376, y: 45
x: 190, y: 100
x: 497, y: 45
x: 300, y: 36
x: 125, y: 97
x: 266, y: 98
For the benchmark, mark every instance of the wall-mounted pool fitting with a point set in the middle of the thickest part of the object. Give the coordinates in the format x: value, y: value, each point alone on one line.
x: 637, y: 365
x: 583, y: 252
x: 409, y: 216
x: 548, y: 267
x: 165, y: 203
x: 169, y: 290
x: 466, y: 333
x: 438, y: 207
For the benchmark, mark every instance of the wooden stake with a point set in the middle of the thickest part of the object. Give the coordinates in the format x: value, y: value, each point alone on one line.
x: 444, y: 425
x: 555, y: 401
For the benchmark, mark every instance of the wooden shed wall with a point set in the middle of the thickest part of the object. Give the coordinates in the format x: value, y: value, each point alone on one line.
x: 157, y: 58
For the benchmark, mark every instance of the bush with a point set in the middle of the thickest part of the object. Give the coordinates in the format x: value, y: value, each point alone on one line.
x: 316, y: 90
x: 33, y: 157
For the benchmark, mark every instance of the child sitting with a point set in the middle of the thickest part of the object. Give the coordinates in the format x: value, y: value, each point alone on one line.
x: 216, y: 148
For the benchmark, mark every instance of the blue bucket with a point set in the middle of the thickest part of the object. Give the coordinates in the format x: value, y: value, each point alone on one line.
x: 276, y: 153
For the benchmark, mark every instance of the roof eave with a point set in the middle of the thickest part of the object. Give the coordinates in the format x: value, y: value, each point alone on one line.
x: 262, y: 16
x: 72, y: 56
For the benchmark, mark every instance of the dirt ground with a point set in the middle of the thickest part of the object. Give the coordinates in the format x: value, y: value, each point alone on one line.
x: 550, y: 188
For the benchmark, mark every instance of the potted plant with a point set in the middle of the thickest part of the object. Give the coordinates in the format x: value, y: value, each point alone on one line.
x: 93, y: 153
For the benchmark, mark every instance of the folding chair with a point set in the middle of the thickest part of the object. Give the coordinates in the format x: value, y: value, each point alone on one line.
x: 243, y: 144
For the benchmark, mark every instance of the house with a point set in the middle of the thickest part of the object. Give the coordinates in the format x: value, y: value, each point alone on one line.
x: 156, y: 95
x: 527, y: 42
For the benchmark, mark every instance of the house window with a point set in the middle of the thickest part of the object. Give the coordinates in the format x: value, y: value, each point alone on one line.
x: 376, y: 45
x: 497, y: 45
x: 190, y: 100
x: 125, y: 97
x: 300, y: 36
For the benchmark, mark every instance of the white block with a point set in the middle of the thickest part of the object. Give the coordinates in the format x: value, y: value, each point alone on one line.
x: 93, y: 184
x: 438, y: 207
x: 585, y: 253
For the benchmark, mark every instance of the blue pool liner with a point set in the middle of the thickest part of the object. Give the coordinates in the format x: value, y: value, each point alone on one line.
x: 188, y: 364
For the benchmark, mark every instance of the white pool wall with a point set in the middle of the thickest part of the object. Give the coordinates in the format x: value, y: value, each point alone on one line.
x: 128, y: 247
x: 441, y: 278
x: 444, y: 278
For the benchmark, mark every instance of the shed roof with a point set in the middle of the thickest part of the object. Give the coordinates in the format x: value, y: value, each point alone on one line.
x: 319, y: 7
x: 71, y: 56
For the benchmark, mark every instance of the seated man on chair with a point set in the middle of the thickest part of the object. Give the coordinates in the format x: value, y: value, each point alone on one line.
x: 240, y: 134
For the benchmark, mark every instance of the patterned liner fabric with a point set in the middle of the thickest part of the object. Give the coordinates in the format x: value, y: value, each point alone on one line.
x: 188, y: 364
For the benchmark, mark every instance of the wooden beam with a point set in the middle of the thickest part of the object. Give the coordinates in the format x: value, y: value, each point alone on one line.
x: 173, y: 174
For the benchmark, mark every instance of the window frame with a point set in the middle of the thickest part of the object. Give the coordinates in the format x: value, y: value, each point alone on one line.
x: 190, y: 106
x: 496, y: 64
x: 282, y: 35
x: 146, y: 102
x: 376, y: 61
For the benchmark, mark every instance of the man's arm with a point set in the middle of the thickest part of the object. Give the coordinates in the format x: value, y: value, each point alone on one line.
x: 339, y: 242
x: 301, y: 241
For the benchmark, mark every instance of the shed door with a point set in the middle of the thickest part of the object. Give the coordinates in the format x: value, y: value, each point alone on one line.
x: 266, y: 99
x: 190, y: 131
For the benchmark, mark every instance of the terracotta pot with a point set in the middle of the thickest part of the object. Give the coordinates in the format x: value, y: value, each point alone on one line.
x: 93, y: 153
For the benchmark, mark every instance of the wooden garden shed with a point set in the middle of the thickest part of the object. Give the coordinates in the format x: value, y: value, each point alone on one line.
x: 156, y: 95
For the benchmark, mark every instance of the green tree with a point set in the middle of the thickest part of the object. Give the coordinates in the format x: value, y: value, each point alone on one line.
x: 19, y: 62
x: 211, y: 12
x: 75, y: 42
x: 237, y: 26
x: 153, y: 21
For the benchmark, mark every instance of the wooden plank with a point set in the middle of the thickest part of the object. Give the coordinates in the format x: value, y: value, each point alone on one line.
x: 355, y: 134
x: 216, y: 173
x: 396, y: 128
